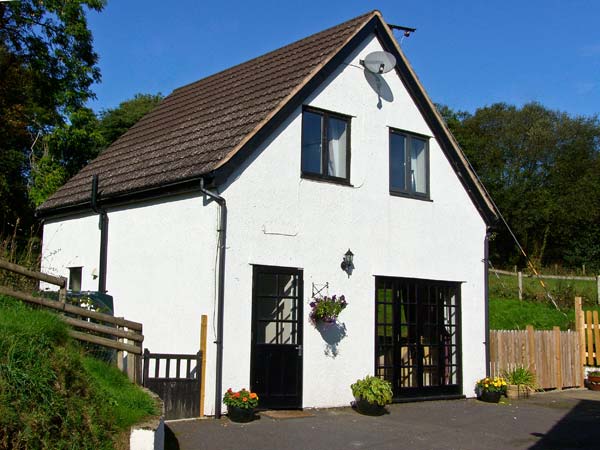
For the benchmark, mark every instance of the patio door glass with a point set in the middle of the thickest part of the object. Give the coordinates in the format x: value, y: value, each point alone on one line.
x: 418, y: 336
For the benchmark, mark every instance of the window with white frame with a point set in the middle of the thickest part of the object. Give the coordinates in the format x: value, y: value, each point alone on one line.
x: 409, y: 164
x: 325, y: 145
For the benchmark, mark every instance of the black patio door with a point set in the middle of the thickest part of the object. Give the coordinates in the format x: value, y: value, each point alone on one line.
x: 276, y: 358
x: 418, y: 336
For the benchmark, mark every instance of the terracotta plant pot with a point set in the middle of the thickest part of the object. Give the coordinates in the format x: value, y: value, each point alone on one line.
x: 514, y: 391
x: 593, y: 382
x: 490, y: 397
x: 369, y: 409
x: 240, y: 415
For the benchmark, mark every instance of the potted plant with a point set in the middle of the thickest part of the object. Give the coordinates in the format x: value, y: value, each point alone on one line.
x: 593, y: 380
x: 491, y: 389
x: 327, y: 309
x: 521, y: 381
x: 371, y: 394
x: 240, y: 405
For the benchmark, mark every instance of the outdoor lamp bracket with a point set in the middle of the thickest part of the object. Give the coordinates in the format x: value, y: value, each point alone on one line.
x: 348, y: 263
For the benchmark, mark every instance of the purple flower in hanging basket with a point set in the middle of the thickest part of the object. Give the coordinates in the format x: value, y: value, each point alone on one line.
x: 327, y: 309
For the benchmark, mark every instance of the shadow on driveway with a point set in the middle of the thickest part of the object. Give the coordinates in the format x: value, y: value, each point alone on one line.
x: 580, y: 428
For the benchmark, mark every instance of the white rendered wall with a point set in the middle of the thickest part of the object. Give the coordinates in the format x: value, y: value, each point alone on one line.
x: 160, y: 268
x: 277, y: 218
x: 161, y: 254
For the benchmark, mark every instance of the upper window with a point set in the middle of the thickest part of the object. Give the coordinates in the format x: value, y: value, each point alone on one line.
x: 409, y: 164
x: 325, y: 145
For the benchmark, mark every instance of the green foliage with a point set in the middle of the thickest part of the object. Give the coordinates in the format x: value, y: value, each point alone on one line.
x: 542, y: 168
x: 47, y: 67
x: 510, y: 314
x: 128, y: 402
x: 241, y: 399
x: 50, y: 398
x: 562, y: 291
x: 373, y: 389
x: 327, y: 309
x: 114, y: 122
x: 520, y: 376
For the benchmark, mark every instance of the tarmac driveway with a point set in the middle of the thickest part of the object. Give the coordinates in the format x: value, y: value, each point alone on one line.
x: 558, y: 420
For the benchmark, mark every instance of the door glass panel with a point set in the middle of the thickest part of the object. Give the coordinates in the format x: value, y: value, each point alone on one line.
x: 287, y: 286
x: 277, y: 308
x: 266, y: 284
x: 276, y: 333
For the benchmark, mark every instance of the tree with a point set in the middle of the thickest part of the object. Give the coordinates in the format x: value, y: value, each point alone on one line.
x: 542, y: 169
x: 47, y: 68
x: 114, y: 122
x: 72, y: 145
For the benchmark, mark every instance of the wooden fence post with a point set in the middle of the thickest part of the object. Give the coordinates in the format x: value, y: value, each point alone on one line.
x: 580, y: 325
x: 596, y: 344
x: 531, y: 345
x: 203, y: 329
x: 520, y: 285
x: 558, y: 356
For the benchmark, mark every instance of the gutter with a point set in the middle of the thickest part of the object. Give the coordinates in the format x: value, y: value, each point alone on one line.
x: 486, y: 294
x: 103, y: 226
x: 222, y: 230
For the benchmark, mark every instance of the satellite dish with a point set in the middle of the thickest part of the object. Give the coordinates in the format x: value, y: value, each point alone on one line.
x: 379, y: 62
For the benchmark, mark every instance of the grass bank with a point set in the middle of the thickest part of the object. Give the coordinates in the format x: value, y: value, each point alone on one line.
x: 51, y: 395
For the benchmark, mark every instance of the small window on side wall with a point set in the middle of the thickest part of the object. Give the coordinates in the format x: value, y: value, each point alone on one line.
x: 409, y: 164
x: 75, y: 279
x: 325, y: 146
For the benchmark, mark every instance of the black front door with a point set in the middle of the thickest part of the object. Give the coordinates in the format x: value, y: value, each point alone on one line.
x: 417, y: 334
x: 276, y: 361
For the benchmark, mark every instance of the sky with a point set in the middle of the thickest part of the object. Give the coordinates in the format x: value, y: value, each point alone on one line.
x: 467, y: 54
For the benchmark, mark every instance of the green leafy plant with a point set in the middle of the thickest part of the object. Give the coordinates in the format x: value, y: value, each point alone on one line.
x: 594, y: 373
x: 241, y: 399
x: 374, y: 390
x: 520, y: 376
x: 488, y: 384
x: 327, y: 309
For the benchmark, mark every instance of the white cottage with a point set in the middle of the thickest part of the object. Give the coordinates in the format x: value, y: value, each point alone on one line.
x: 239, y: 196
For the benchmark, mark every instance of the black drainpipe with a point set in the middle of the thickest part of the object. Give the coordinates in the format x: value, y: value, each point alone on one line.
x: 103, y: 226
x: 221, y: 293
x: 486, y: 293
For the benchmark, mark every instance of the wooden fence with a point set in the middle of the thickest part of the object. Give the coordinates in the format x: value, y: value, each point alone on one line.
x: 589, y: 327
x: 553, y: 355
x: 97, y: 328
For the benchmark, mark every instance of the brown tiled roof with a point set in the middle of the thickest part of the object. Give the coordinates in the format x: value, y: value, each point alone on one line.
x: 200, y: 126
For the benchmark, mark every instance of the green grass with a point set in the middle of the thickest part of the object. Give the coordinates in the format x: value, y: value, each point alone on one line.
x: 129, y: 403
x: 512, y: 314
x: 563, y: 291
x: 51, y: 396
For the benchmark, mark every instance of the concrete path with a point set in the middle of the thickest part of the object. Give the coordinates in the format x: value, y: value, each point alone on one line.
x: 558, y: 420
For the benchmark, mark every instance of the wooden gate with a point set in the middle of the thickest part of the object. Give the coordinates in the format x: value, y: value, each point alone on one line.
x: 176, y: 379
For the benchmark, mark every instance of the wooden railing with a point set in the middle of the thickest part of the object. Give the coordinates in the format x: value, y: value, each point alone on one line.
x: 97, y: 328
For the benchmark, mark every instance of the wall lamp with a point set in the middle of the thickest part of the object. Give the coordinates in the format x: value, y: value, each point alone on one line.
x: 348, y: 263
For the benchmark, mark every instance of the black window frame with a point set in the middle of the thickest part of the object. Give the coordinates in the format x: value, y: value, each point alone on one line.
x: 409, y: 192
x: 323, y: 176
